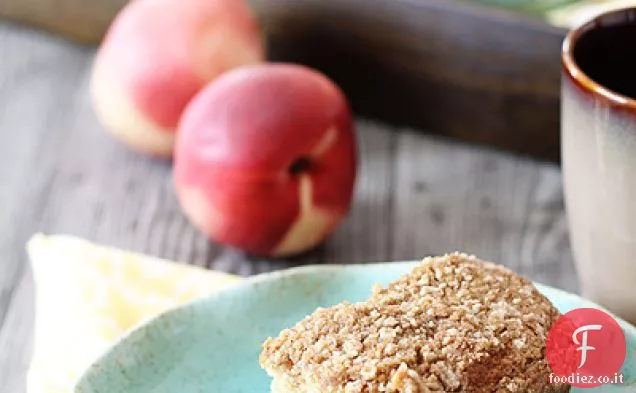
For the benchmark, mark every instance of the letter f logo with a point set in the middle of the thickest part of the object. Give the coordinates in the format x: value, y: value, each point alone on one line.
x: 583, y: 346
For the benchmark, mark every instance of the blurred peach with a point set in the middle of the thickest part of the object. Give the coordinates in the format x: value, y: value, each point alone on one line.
x: 157, y: 55
x: 265, y: 159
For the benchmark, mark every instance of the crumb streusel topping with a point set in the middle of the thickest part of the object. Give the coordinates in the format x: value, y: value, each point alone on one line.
x: 454, y: 324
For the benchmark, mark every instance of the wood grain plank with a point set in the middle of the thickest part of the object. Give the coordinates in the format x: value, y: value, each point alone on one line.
x: 16, y: 337
x: 500, y: 207
x: 365, y: 235
x: 33, y: 76
x: 31, y: 129
x: 114, y: 196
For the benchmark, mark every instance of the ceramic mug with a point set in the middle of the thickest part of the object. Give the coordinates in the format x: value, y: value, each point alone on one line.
x: 598, y: 138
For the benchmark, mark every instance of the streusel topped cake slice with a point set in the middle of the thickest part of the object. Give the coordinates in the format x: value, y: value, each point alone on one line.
x: 454, y: 324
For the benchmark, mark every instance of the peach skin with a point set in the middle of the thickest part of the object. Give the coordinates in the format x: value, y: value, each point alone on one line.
x: 265, y: 159
x: 157, y: 55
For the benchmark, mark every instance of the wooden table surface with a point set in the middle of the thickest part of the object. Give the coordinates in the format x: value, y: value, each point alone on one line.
x: 416, y: 195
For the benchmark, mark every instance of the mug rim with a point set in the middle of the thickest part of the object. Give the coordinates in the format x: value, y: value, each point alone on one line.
x: 580, y: 78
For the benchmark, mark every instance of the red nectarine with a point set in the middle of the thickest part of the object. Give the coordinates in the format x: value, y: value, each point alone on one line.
x: 157, y: 55
x: 265, y: 159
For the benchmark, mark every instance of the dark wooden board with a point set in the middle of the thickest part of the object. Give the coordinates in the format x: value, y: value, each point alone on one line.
x: 473, y: 73
x: 83, y: 21
x: 468, y: 71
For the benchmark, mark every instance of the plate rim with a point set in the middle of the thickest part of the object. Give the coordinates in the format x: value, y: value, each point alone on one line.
x: 629, y: 329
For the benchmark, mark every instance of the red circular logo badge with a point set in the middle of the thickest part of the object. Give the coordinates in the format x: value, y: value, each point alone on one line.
x: 586, y: 348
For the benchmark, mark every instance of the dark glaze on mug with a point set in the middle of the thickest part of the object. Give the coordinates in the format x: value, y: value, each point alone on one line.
x: 608, y: 57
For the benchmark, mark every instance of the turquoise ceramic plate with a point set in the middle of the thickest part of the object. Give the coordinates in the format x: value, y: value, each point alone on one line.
x: 213, y: 344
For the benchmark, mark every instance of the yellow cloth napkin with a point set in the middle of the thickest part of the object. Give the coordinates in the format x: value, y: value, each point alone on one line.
x: 88, y: 295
